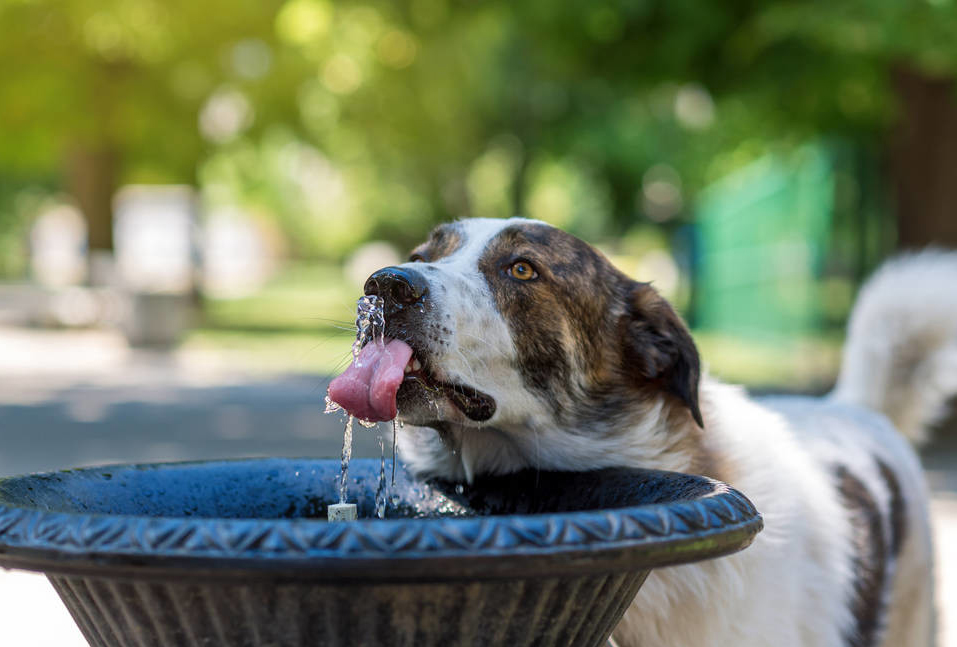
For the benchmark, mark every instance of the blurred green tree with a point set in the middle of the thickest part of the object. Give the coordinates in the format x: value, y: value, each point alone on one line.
x: 409, y: 111
x: 470, y: 103
x: 103, y: 91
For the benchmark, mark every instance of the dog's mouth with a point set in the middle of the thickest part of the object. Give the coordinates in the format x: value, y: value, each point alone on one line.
x: 390, y: 375
x: 420, y: 386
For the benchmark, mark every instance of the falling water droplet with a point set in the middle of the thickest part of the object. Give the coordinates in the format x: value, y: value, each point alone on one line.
x: 395, y: 498
x: 380, y: 493
x: 346, y: 457
x: 395, y: 443
x: 459, y: 489
x: 331, y: 407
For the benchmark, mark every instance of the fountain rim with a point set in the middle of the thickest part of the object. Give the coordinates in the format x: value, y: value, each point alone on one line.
x: 632, y: 537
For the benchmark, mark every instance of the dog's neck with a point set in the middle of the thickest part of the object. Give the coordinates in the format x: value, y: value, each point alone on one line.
x: 657, y: 435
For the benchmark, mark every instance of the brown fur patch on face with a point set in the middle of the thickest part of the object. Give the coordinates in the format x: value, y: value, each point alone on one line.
x: 559, y: 320
x: 443, y: 241
x: 591, y: 342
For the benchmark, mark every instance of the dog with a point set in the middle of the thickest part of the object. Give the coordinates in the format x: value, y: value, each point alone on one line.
x: 512, y: 344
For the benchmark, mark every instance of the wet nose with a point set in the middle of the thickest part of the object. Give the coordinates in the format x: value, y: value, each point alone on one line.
x: 397, y: 286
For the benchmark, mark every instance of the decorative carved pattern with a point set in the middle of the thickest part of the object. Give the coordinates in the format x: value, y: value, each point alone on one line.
x: 548, y: 579
x: 725, y: 510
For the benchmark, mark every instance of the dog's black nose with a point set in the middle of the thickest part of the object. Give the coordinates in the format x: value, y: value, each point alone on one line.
x: 397, y: 286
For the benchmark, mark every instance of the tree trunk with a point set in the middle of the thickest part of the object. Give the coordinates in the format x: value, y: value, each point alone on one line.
x: 91, y: 175
x: 923, y: 156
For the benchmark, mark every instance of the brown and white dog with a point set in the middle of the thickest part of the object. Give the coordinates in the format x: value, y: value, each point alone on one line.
x: 515, y: 345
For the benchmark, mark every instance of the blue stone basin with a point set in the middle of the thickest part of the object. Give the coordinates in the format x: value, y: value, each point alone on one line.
x: 238, y: 553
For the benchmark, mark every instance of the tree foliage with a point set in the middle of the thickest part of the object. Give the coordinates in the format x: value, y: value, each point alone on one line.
x: 357, y: 118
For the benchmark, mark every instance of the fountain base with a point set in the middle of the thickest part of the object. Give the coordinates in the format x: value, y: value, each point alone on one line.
x: 573, y: 611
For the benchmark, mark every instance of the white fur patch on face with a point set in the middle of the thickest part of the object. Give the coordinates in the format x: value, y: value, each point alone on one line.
x: 476, y: 348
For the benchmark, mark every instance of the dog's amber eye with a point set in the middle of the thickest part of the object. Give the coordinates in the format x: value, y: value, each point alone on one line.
x: 523, y: 271
x: 416, y: 258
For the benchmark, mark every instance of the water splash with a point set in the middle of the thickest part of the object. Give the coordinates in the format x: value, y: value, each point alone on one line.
x: 370, y: 318
x: 380, y: 493
x: 346, y: 457
x: 331, y: 407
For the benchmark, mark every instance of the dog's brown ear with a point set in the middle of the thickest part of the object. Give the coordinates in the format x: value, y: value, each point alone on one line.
x: 658, y: 347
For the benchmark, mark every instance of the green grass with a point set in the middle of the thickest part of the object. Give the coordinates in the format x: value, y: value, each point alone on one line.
x: 319, y: 353
x: 300, y: 298
x: 301, y: 321
x: 803, y: 363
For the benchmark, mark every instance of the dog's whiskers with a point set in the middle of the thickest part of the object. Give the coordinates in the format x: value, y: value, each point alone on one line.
x: 484, y: 341
x: 468, y: 365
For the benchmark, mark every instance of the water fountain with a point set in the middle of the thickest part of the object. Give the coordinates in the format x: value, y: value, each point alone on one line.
x: 238, y: 553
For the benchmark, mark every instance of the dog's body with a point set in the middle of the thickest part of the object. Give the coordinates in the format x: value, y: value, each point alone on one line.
x: 530, y: 350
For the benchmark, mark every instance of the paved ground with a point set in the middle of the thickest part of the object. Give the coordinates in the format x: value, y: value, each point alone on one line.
x: 70, y: 399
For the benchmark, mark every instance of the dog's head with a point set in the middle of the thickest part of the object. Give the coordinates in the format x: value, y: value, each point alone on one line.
x: 529, y: 349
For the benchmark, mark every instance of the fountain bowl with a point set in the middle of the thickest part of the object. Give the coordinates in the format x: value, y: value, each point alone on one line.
x: 238, y: 553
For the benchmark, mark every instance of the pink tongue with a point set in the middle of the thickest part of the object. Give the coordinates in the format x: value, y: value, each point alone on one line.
x: 367, y: 388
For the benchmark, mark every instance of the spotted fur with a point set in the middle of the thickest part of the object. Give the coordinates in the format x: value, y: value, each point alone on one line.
x: 870, y: 559
x: 589, y: 368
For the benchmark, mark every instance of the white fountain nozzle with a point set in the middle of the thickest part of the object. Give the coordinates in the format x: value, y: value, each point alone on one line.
x: 342, y: 512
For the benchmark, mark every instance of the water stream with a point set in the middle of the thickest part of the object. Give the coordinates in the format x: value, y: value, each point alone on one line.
x: 370, y: 321
x: 370, y: 318
x: 395, y: 442
x: 346, y: 457
x: 380, y: 492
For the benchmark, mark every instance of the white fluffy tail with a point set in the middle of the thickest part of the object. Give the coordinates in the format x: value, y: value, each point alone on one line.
x: 900, y: 357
